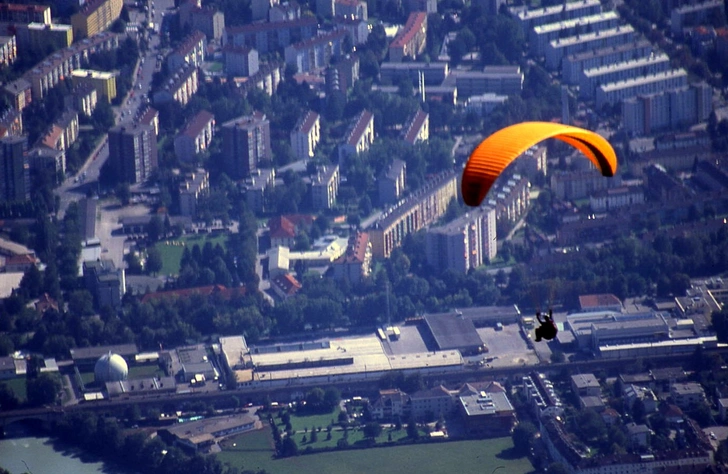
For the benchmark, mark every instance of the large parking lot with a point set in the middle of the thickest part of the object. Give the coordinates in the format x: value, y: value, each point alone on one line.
x: 507, y: 347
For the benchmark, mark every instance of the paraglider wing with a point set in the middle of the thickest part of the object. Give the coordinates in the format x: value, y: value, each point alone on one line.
x: 496, y: 152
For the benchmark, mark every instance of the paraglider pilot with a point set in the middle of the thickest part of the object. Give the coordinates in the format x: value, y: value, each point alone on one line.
x: 547, y: 330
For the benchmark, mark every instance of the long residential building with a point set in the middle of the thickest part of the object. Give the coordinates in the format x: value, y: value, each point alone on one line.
x: 573, y: 64
x: 49, y: 72
x: 195, y: 137
x: 615, y: 92
x: 528, y: 19
x: 463, y: 244
x: 245, y: 143
x: 433, y: 73
x: 8, y: 50
x: 411, y: 39
x: 104, y: 82
x: 40, y: 36
x: 24, y: 13
x: 593, y: 78
x: 325, y: 187
x: 191, y: 51
x: 240, y: 60
x: 418, y: 211
x: 14, y: 169
x: 541, y: 35
x: 306, y: 135
x: 667, y: 110
x: 270, y: 37
x: 194, y: 186
x: 503, y: 80
x: 559, y: 48
x: 95, y: 16
x: 359, y: 137
x: 180, y: 87
x: 315, y: 53
x: 417, y: 128
x: 694, y: 14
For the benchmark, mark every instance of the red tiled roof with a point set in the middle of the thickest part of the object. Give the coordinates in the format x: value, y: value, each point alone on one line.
x: 148, y: 116
x: 281, y: 228
x: 20, y: 260
x: 413, y: 25
x: 361, y: 124
x: 415, y: 126
x: 287, y: 283
x: 15, y: 7
x: 308, y: 121
x: 300, y: 219
x: 190, y: 42
x: 279, y: 25
x: 45, y: 303
x: 51, y: 138
x: 591, y: 301
x: 224, y: 292
x: 356, y: 251
x: 198, y: 123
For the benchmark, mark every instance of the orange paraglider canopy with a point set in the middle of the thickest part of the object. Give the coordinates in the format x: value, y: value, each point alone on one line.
x: 496, y: 152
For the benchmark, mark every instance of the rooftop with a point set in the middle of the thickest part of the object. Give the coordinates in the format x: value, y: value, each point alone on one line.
x: 646, y: 79
x: 413, y: 127
x: 485, y: 403
x: 453, y: 331
x: 357, y: 129
x: 414, y: 23
x: 194, y: 127
x: 585, y: 381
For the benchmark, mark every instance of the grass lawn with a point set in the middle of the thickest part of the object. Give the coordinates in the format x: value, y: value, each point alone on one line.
x: 172, y: 250
x: 254, y: 451
x: 139, y: 371
x: 17, y: 385
x: 300, y: 423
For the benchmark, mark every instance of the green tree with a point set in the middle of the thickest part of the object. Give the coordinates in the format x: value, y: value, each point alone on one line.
x: 8, y: 400
x: 155, y: 229
x: 412, y: 431
x: 372, y: 429
x: 289, y: 447
x: 154, y: 260
x: 43, y: 389
x: 522, y: 436
x: 332, y: 396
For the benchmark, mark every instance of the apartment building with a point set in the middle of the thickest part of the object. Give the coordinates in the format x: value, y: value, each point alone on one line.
x: 23, y: 13
x: 44, y: 158
x: 484, y: 104
x: 359, y: 137
x: 83, y: 98
x: 528, y: 19
x: 261, y: 8
x: 352, y: 9
x: 418, y: 211
x: 592, y: 78
x: 503, y: 80
x: 286, y: 11
x: 18, y: 93
x: 392, y: 182
x: 541, y: 35
x: 150, y: 116
x: 8, y: 50
x: 195, y: 185
x: 105, y: 282
x: 580, y: 184
x: 104, y: 82
x: 256, y: 187
x: 573, y: 64
x: 180, y: 87
x: 342, y: 75
x: 325, y: 187
x: 694, y: 14
x: 95, y: 16
x: 49, y: 72
x: 411, y: 38
x: 417, y: 128
x: 266, y: 79
x: 510, y: 200
x: 325, y: 8
x: 40, y: 37
x: 463, y: 244
x: 270, y: 37
x: 190, y: 51
x: 11, y: 123
x: 315, y: 53
x: 14, y: 169
x: 306, y: 135
x: 688, y: 394
x: 616, y: 198
x: 210, y: 21
x: 133, y: 152
x: 559, y: 48
x: 62, y: 133
x: 615, y: 92
x: 667, y: 110
x: 358, y: 29
x: 433, y: 73
x: 245, y: 143
x: 355, y: 264
x: 240, y: 61
x: 195, y: 137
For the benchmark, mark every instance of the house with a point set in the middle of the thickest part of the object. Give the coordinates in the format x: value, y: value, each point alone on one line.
x: 431, y: 404
x: 673, y: 415
x: 687, y: 394
x: 285, y: 285
x: 391, y: 403
x: 585, y: 385
x: 355, y: 264
x: 639, y: 435
x: 282, y: 232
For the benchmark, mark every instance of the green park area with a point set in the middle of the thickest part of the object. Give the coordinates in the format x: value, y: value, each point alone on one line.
x: 254, y: 451
x: 17, y: 385
x: 171, y: 250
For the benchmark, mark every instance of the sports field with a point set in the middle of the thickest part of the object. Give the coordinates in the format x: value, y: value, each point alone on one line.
x: 172, y: 250
x: 254, y: 451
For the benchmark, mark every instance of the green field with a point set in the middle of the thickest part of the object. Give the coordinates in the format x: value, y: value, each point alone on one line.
x: 172, y: 250
x: 254, y: 451
x: 139, y: 371
x: 299, y: 423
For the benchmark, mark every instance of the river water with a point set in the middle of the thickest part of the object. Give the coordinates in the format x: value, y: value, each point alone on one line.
x: 22, y: 447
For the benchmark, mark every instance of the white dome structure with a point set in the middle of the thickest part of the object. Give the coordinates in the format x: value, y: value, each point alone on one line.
x: 110, y: 368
